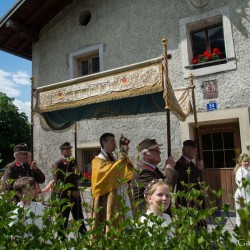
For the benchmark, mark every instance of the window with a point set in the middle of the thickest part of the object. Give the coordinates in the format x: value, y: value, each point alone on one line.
x: 86, y: 61
x: 219, y: 144
x: 205, y: 32
x: 210, y: 39
x: 88, y: 65
x: 88, y: 156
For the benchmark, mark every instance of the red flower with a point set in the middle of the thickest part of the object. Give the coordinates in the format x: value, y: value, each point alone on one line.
x: 195, y: 61
x: 207, y: 55
x: 217, y: 52
x: 87, y: 176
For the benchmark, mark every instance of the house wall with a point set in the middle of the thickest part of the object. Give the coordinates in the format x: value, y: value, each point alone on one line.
x: 131, y: 31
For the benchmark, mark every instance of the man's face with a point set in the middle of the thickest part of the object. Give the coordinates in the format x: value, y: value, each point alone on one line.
x: 66, y: 152
x: 154, y: 156
x: 23, y: 156
x: 109, y: 144
x: 190, y: 152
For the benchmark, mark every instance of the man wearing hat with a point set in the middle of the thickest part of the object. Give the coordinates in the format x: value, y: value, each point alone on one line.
x: 190, y: 173
x: 150, y: 157
x: 66, y: 172
x: 20, y: 167
x: 189, y: 151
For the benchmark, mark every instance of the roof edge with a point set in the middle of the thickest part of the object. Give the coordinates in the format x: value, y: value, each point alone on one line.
x: 11, y: 11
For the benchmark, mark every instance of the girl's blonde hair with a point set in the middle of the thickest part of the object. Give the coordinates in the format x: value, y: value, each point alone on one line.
x: 152, y: 186
x: 240, y: 159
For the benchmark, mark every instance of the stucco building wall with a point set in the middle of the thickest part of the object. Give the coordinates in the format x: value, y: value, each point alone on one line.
x: 131, y: 31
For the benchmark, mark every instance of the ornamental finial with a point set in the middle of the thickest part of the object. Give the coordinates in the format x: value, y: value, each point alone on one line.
x: 164, y: 40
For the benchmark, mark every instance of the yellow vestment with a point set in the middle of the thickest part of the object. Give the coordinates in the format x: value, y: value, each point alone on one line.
x: 106, y: 178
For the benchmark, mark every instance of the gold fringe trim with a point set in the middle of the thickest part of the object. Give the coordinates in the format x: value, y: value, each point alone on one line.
x: 104, y: 98
x: 107, y: 97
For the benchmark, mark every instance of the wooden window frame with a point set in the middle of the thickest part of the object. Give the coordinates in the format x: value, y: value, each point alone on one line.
x: 227, y: 127
x: 88, y: 58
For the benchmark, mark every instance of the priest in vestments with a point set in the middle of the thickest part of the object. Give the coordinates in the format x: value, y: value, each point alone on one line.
x: 109, y: 180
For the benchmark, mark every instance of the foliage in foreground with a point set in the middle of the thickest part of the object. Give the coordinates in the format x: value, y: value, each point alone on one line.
x: 128, y: 234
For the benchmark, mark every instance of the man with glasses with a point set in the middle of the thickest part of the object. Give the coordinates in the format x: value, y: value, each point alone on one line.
x: 150, y: 157
x: 21, y: 166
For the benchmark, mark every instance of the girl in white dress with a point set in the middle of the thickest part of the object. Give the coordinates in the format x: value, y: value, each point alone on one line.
x: 157, y: 195
x: 242, y: 173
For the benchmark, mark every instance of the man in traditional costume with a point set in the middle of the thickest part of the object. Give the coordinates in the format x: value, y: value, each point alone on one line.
x: 185, y: 163
x: 21, y: 166
x: 66, y: 172
x: 147, y: 170
x: 109, y: 182
x: 190, y: 173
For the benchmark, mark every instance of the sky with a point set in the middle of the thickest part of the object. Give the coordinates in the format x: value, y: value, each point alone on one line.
x: 15, y: 72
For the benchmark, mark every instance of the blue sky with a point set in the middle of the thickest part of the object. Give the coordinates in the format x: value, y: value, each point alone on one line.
x: 15, y: 72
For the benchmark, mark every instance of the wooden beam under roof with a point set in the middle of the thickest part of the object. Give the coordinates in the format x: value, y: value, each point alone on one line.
x: 24, y: 31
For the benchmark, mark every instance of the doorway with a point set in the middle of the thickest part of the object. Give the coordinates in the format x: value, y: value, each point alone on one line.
x: 219, y: 144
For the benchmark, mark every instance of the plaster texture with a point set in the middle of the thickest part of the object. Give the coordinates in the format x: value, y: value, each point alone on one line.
x: 131, y: 31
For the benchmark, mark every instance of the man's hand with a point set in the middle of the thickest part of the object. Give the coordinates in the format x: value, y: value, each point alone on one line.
x: 170, y: 162
x: 33, y: 165
x: 200, y: 165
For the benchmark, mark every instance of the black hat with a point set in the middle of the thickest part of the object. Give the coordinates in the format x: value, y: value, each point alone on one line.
x: 148, y: 143
x: 65, y: 145
x: 22, y: 147
x: 190, y: 143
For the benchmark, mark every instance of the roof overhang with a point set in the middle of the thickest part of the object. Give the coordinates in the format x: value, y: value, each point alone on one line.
x: 20, y: 27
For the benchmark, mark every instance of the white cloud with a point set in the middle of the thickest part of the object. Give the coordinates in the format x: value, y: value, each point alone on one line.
x: 7, y: 86
x: 21, y: 77
x: 23, y: 107
x: 12, y: 85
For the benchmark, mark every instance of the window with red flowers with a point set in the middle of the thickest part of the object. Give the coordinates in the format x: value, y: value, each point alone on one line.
x: 88, y: 155
x: 208, y: 46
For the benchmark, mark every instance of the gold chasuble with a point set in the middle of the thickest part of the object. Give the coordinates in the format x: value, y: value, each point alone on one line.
x: 107, y: 178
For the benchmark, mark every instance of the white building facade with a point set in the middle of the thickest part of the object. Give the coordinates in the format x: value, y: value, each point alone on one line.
x: 94, y: 36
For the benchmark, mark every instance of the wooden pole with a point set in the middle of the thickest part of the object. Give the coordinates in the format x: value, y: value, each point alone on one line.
x: 192, y: 87
x: 165, y: 86
x: 32, y: 79
x: 75, y: 141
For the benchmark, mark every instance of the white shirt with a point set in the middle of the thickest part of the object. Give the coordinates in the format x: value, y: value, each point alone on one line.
x: 241, y: 173
x: 36, y: 208
x: 166, y: 221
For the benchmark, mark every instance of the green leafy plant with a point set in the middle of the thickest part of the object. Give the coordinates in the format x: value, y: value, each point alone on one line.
x: 128, y: 233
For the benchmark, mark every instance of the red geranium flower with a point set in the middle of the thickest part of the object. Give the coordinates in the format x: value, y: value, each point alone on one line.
x: 207, y: 56
x: 195, y: 61
x: 217, y: 52
x: 87, y: 176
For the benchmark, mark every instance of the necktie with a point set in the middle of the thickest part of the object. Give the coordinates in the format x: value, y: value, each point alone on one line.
x: 26, y: 168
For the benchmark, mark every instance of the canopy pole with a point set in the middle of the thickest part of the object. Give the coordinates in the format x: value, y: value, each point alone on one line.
x: 75, y: 141
x: 192, y: 87
x: 32, y: 90
x: 77, y: 170
x: 165, y: 86
x: 32, y: 80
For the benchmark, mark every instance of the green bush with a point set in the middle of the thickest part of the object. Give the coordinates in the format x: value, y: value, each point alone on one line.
x: 128, y: 234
